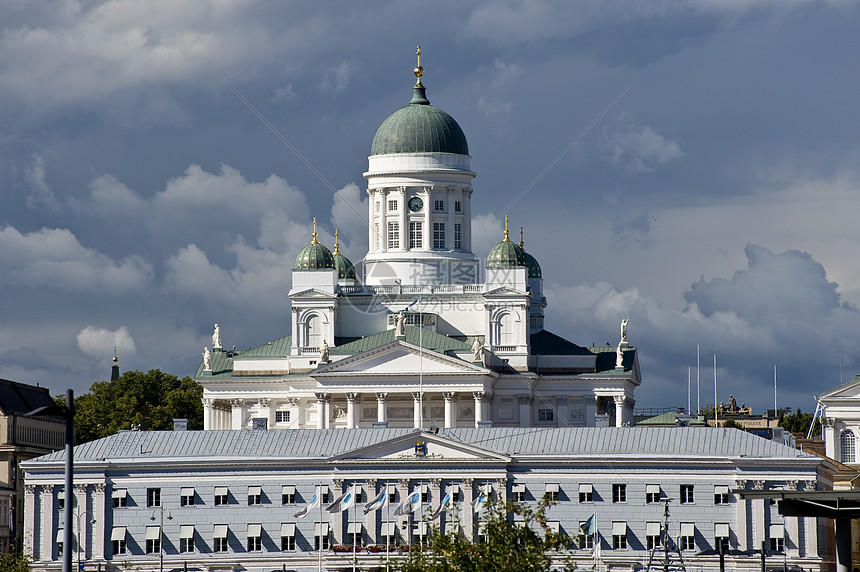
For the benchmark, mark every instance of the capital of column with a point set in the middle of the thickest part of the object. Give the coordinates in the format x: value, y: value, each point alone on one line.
x: 501, y: 484
x: 416, y: 395
x: 482, y: 396
x: 525, y: 399
x: 236, y: 402
x: 561, y: 399
x: 829, y: 422
x: 321, y: 397
x: 294, y: 401
x: 81, y: 489
x: 207, y: 401
x: 45, y: 489
x: 448, y: 395
x: 401, y: 190
x: 403, y: 483
x: 809, y: 485
x: 619, y: 399
x: 741, y: 484
x: 758, y: 485
x: 468, y: 483
x: 338, y: 483
x: 99, y: 488
x: 436, y: 483
x: 351, y: 397
x: 371, y: 484
x: 792, y: 485
x: 381, y: 396
x: 264, y: 402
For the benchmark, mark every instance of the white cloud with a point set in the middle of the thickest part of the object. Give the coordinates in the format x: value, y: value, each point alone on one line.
x: 349, y: 217
x: 99, y: 342
x: 54, y: 258
x: 641, y: 148
x: 336, y: 78
x: 41, y: 194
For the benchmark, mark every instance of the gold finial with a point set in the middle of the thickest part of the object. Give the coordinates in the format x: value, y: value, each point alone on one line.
x: 114, y: 355
x: 523, y: 246
x: 507, y: 238
x: 315, y: 241
x: 336, y: 245
x: 419, y: 71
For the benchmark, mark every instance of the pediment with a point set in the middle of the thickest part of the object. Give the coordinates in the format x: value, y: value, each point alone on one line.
x: 438, y: 448
x: 504, y: 291
x: 846, y: 391
x: 399, y: 358
x: 311, y: 293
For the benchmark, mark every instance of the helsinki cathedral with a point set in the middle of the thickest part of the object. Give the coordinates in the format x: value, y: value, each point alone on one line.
x: 412, y: 337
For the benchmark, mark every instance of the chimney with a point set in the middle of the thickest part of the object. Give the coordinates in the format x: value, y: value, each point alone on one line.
x: 180, y: 424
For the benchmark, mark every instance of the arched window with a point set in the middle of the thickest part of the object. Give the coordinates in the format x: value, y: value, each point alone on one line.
x: 507, y: 335
x: 846, y: 440
x: 315, y: 331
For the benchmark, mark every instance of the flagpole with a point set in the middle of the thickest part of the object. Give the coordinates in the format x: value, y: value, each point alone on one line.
x: 420, y: 366
x: 354, y: 504
x: 387, y: 538
x: 321, y: 529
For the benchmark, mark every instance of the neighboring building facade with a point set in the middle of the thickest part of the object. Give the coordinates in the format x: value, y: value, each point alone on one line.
x: 227, y: 499
x: 21, y: 438
x: 416, y: 336
x: 840, y: 416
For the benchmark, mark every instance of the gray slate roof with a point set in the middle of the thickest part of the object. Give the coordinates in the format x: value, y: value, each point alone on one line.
x: 605, y: 443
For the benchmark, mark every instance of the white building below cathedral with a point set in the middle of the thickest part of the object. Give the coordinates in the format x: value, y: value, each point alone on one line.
x: 412, y: 338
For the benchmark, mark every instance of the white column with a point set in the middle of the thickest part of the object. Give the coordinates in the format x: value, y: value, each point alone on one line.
x: 619, y: 410
x: 374, y: 214
x: 207, y: 414
x: 46, y: 528
x: 525, y: 409
x: 741, y: 518
x: 99, y: 517
x: 810, y: 535
x: 759, y: 531
x: 82, y: 534
x: 502, y: 490
x: 450, y: 197
x: 381, y: 411
x: 401, y: 216
x: 337, y: 520
x: 236, y: 413
x: 321, y: 410
x: 427, y: 197
x: 448, y: 396
x: 372, y: 517
x: 435, y: 494
x: 467, y: 221
x: 404, y: 492
x: 830, y: 438
x: 350, y: 411
x: 479, y: 407
x: 561, y: 403
x: 468, y: 513
x: 383, y: 220
x: 416, y: 410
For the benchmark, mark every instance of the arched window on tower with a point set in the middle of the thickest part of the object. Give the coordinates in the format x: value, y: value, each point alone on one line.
x: 507, y: 333
x: 846, y: 441
x: 315, y: 331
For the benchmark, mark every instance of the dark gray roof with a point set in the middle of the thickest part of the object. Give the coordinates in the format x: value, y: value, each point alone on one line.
x: 22, y: 398
x: 605, y: 443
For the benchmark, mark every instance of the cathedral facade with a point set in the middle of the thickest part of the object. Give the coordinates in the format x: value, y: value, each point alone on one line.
x: 418, y: 335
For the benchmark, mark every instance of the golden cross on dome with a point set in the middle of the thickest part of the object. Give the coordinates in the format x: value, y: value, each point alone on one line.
x: 521, y: 239
x: 336, y: 245
x: 418, y: 71
x: 507, y: 238
x: 315, y: 241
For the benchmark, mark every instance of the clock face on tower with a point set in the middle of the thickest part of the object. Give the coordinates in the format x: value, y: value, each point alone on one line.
x: 415, y: 204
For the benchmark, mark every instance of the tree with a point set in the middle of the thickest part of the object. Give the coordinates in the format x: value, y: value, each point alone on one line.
x: 14, y: 562
x: 730, y: 422
x: 797, y: 422
x: 506, y: 546
x: 148, y: 401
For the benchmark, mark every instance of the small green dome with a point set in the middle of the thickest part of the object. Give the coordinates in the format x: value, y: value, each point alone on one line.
x: 343, y: 266
x: 419, y: 128
x: 314, y: 256
x: 533, y: 266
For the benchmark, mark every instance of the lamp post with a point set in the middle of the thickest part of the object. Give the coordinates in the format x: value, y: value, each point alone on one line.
x: 78, y: 516
x: 160, y: 534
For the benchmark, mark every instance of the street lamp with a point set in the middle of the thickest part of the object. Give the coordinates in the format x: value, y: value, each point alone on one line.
x: 78, y: 516
x: 160, y: 535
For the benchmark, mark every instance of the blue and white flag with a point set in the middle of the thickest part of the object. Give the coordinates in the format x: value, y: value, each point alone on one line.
x: 589, y: 527
x: 409, y: 504
x: 479, y: 501
x: 377, y: 503
x: 446, y: 500
x: 314, y: 502
x: 343, y: 502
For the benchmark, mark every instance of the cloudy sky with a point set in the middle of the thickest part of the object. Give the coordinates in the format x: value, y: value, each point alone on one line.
x: 713, y: 204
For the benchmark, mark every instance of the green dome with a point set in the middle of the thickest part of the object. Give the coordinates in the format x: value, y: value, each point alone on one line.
x: 419, y: 128
x: 345, y: 269
x: 506, y: 254
x: 533, y: 266
x: 314, y: 256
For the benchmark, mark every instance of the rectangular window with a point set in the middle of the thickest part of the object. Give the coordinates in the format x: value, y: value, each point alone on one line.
x: 777, y: 537
x: 438, y: 235
x: 721, y: 537
x: 652, y: 493
x: 255, y: 537
x: 153, y: 539
x: 687, y: 540
x: 721, y: 494
x: 392, y: 493
x: 454, y: 491
x: 416, y: 234
x: 389, y: 532
x: 153, y: 497
x: 186, y: 496
x: 288, y: 536
x: 457, y: 207
x: 220, y: 537
x: 519, y: 493
x: 61, y: 500
x: 586, y: 493
x: 392, y: 206
x: 619, y: 535
x: 546, y: 415
x: 458, y: 235
x: 585, y: 540
x: 120, y: 498
x: 118, y: 546
x: 60, y: 549
x: 393, y: 235
x: 186, y: 538
x: 377, y: 206
x: 117, y: 537
x: 325, y: 494
x: 376, y: 238
x: 288, y: 494
x: 255, y: 495
x: 282, y: 416
x: 321, y: 535
x: 552, y: 491
x: 619, y: 493
x: 221, y: 496
x: 438, y: 205
x: 354, y: 533
x: 686, y: 494
x: 652, y: 535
